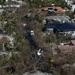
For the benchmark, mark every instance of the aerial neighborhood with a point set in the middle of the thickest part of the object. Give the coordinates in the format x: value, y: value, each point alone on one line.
x: 37, y: 37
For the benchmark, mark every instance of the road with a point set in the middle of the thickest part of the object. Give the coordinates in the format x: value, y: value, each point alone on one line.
x: 28, y: 35
x: 33, y: 45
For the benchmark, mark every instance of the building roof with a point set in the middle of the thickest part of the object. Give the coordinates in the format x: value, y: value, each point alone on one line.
x: 73, y: 42
x: 67, y: 48
x: 61, y: 27
x: 57, y: 9
x: 59, y: 18
x: 64, y: 47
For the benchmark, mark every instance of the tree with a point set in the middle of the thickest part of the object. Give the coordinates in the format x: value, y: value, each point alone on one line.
x: 3, y: 41
x: 2, y: 1
x: 9, y: 28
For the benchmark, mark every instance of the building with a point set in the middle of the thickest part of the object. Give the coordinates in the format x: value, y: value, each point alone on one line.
x: 54, y: 9
x: 62, y: 18
x: 9, y: 38
x: 67, y: 28
x: 8, y: 0
x: 1, y: 11
x: 73, y: 8
x: 66, y: 48
x: 69, y: 2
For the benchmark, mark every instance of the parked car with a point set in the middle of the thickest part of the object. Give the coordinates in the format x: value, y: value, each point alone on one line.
x: 32, y: 32
x: 40, y: 51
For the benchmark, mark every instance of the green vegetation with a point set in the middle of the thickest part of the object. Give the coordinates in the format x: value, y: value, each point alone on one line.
x: 9, y: 28
x: 26, y: 58
x: 41, y: 3
x: 1, y: 1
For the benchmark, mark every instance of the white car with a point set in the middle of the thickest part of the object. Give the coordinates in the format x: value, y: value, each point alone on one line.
x: 39, y: 52
x: 24, y: 24
x: 32, y: 32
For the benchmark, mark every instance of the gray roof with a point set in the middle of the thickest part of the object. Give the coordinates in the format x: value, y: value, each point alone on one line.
x: 59, y: 18
x: 37, y: 73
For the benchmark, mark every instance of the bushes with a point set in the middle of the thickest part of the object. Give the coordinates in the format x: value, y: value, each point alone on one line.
x: 50, y: 38
x: 9, y: 28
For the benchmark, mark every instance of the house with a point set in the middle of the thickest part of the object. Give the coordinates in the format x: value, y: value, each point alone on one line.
x: 69, y: 2
x: 49, y: 10
x: 10, y: 39
x: 8, y: 0
x: 73, y: 8
x: 66, y: 9
x: 59, y: 18
x: 12, y: 6
x: 73, y: 20
x: 1, y: 11
x: 54, y: 9
x: 67, y: 28
x: 5, y: 53
x: 8, y: 54
x: 66, y: 48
